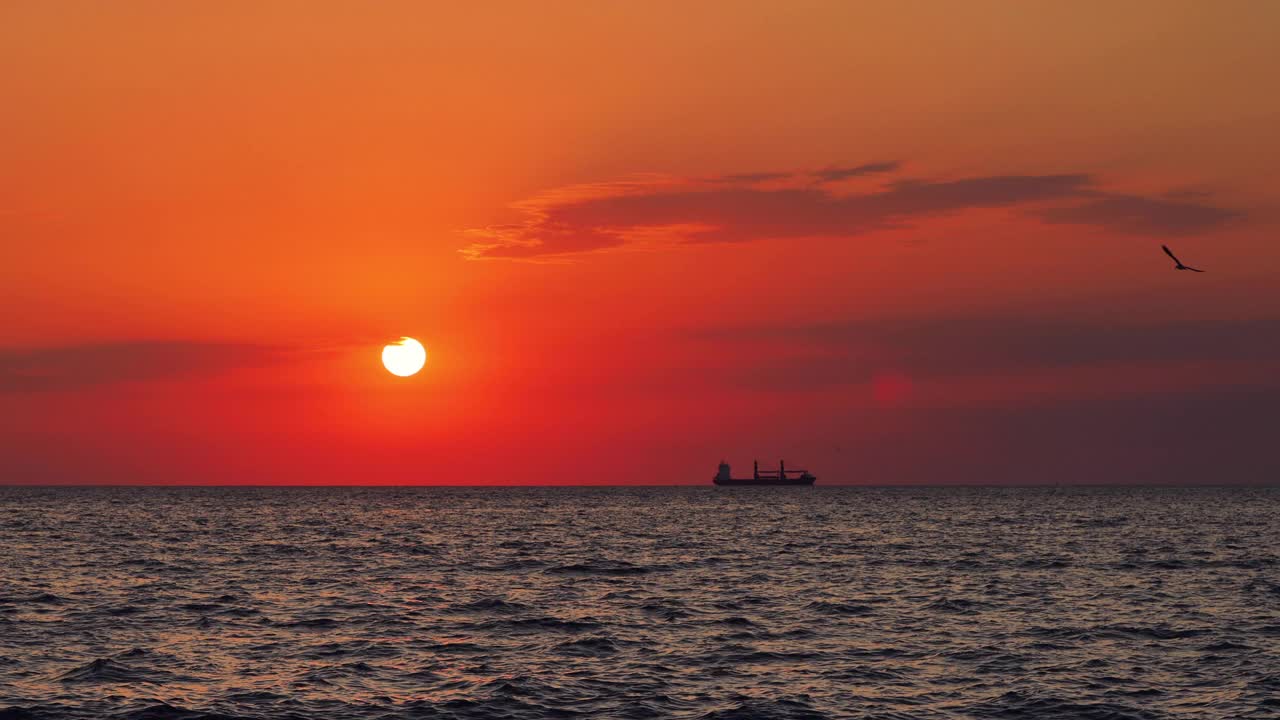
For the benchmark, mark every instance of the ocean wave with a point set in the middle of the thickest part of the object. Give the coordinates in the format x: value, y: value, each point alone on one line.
x: 680, y: 603
x: 601, y: 567
x: 591, y: 647
x: 1015, y: 705
x: 757, y: 709
x: 322, y: 623
x: 833, y: 608
x: 490, y: 605
x: 105, y: 670
x: 541, y: 624
x: 959, y: 606
x: 1117, y: 632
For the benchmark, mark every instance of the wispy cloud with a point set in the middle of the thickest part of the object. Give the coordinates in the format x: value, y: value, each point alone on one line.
x: 820, y: 355
x: 78, y: 366
x: 1143, y: 215
x: 835, y: 174
x: 755, y: 177
x: 744, y: 207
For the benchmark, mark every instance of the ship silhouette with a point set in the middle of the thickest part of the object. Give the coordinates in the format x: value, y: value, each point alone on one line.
x: 781, y: 476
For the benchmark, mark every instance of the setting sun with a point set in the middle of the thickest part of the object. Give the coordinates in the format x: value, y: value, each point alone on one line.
x: 404, y: 358
x: 760, y: 331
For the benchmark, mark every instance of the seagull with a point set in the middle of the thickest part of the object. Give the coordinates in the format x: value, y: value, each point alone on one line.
x: 1179, y: 266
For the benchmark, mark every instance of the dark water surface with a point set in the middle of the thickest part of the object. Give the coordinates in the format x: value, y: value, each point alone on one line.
x: 639, y: 603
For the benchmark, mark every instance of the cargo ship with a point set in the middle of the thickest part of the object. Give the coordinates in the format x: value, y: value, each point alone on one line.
x: 781, y: 476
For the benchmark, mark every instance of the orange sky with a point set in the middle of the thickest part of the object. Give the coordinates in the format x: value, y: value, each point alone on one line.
x: 892, y: 242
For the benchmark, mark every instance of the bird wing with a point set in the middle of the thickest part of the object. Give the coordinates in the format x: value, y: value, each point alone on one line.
x: 1192, y: 269
x: 1169, y: 252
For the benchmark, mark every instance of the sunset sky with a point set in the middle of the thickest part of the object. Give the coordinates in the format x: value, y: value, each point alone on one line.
x: 890, y: 242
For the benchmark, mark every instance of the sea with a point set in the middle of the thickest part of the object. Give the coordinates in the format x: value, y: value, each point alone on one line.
x: 1118, y: 603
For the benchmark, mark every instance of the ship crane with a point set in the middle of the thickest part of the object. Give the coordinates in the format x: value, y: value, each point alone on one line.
x: 781, y: 472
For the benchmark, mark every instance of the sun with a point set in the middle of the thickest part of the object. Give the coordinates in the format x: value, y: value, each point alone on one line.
x: 405, y: 357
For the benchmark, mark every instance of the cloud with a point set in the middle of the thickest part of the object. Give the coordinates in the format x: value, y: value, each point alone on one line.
x: 78, y: 366
x: 836, y: 174
x: 1142, y: 215
x: 755, y: 206
x: 1205, y: 436
x: 752, y: 177
x: 814, y: 356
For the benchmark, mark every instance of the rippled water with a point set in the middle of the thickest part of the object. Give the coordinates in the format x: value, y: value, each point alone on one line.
x: 639, y: 603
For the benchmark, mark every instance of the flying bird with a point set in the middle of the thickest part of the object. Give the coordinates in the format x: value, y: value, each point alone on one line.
x: 1179, y: 265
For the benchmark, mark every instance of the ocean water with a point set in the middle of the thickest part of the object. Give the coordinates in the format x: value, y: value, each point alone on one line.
x: 185, y: 603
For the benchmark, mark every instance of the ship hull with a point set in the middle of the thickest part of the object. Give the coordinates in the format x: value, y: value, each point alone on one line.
x: 763, y: 482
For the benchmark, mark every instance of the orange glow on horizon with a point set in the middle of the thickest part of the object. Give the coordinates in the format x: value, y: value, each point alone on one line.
x: 642, y: 237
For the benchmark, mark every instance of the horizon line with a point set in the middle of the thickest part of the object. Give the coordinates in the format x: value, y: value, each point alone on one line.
x: 643, y: 485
